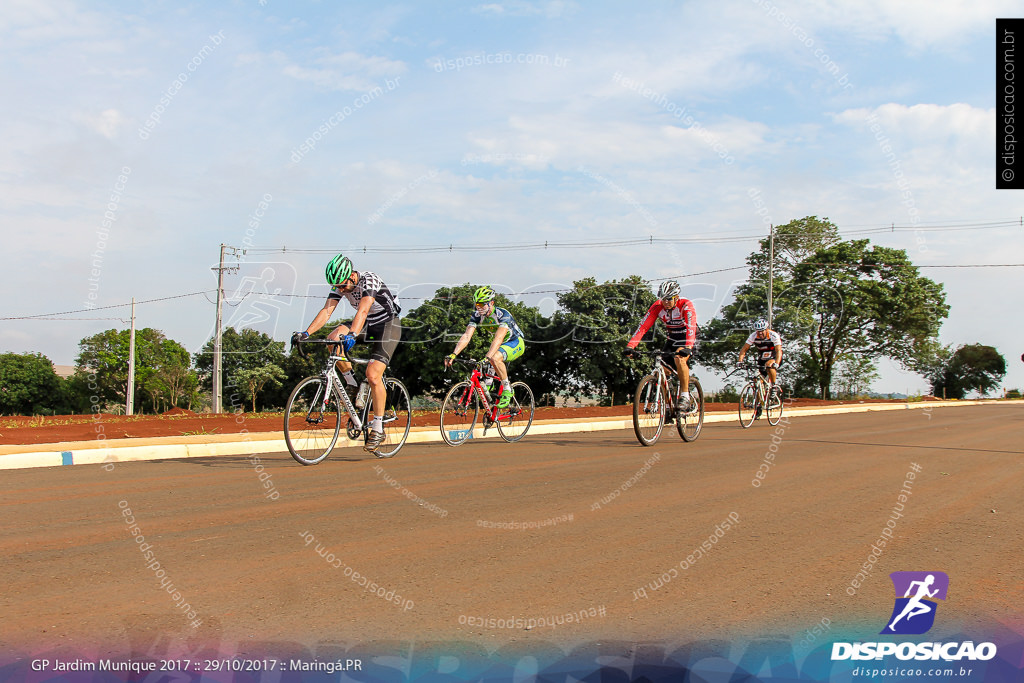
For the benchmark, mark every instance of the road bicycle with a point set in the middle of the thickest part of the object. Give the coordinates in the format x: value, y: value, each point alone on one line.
x: 657, y: 399
x: 758, y: 396
x: 470, y: 400
x: 319, y: 405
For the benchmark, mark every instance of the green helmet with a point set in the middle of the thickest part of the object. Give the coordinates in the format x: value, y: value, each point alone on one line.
x: 338, y: 270
x: 483, y: 295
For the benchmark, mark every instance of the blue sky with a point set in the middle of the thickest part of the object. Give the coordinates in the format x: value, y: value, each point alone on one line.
x: 468, y: 122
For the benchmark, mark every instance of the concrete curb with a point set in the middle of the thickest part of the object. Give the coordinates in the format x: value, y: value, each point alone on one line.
x: 163, y: 448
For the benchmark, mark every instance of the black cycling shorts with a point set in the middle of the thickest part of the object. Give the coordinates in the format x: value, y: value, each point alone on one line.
x: 384, y: 337
x: 675, y: 346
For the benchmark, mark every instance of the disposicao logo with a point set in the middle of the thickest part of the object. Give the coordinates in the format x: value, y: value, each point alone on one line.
x: 914, y: 612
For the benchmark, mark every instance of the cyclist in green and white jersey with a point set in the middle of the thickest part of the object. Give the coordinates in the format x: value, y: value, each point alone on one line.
x: 507, y: 344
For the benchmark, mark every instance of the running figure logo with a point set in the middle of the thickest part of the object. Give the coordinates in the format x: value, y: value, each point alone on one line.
x: 914, y: 612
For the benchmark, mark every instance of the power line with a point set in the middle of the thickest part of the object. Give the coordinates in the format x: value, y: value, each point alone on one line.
x: 101, y: 308
x: 720, y: 237
x: 204, y: 293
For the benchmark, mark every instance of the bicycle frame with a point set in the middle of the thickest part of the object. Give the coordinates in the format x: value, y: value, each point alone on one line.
x: 758, y: 392
x: 357, y: 416
x: 664, y: 372
x: 476, y: 386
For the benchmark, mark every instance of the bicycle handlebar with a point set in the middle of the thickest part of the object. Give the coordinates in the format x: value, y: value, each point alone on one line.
x: 336, y: 342
x: 470, y: 362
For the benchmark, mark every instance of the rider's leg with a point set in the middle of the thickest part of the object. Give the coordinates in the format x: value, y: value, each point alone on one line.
x: 683, y: 369
x: 498, y: 361
x: 344, y: 367
x: 375, y: 376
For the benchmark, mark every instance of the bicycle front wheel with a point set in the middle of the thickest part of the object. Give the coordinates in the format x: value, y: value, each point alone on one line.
x: 459, y: 413
x: 397, y: 418
x: 649, y: 406
x: 312, y: 421
x: 515, y: 420
x: 691, y: 420
x: 774, y: 408
x: 748, y: 406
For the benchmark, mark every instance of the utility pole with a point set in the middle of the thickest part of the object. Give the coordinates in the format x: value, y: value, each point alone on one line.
x: 129, y: 407
x: 218, y: 385
x: 771, y: 271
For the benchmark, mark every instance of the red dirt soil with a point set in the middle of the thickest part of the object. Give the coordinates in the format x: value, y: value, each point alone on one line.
x: 19, y: 430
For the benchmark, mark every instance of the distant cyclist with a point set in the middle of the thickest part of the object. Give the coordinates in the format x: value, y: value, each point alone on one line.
x: 680, y: 319
x: 769, y: 349
x: 375, y: 321
x: 506, y: 345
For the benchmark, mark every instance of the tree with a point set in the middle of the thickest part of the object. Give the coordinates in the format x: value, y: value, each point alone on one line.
x: 252, y: 380
x: 832, y: 299
x: 972, y: 366
x: 795, y: 242
x: 103, y: 363
x: 172, y: 375
x: 240, y: 350
x: 871, y: 302
x: 854, y: 375
x: 29, y: 385
x: 430, y: 331
x: 592, y: 329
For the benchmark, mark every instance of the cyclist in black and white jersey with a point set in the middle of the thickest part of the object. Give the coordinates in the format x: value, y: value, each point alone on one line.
x: 375, y: 321
x: 768, y: 343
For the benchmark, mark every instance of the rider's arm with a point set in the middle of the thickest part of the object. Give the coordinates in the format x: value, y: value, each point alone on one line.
x: 360, y: 319
x: 690, y: 315
x: 778, y: 349
x: 464, y: 339
x: 743, y: 351
x: 323, y: 316
x: 645, y: 325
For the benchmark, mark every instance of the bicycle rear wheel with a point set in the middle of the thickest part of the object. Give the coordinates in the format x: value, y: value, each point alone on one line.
x: 748, y: 406
x: 689, y: 422
x: 312, y: 421
x: 515, y: 420
x: 459, y: 413
x: 774, y: 408
x: 649, y: 407
x: 397, y: 418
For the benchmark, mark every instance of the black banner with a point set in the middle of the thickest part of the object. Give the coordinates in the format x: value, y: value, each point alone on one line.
x: 1009, y: 132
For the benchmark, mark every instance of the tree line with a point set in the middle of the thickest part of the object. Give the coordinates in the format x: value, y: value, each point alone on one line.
x: 840, y: 307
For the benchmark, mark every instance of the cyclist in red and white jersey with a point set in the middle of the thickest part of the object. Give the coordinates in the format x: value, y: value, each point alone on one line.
x: 769, y: 349
x: 680, y: 319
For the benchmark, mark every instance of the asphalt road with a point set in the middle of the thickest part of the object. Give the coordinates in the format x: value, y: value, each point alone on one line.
x: 498, y: 543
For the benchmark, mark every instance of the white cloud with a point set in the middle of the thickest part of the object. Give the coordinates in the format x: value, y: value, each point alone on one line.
x: 552, y: 9
x: 343, y: 71
x: 921, y: 24
x: 926, y: 124
x: 106, y: 123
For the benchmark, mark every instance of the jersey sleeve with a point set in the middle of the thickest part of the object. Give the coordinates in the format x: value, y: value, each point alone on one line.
x: 645, y: 325
x: 370, y: 284
x: 690, y: 315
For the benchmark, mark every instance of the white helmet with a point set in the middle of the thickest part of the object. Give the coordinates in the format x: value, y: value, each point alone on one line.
x: 669, y: 288
x: 760, y: 324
